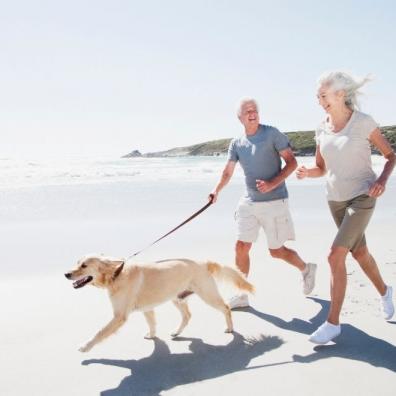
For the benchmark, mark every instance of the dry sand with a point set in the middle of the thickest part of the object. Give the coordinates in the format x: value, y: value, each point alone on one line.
x: 44, y: 320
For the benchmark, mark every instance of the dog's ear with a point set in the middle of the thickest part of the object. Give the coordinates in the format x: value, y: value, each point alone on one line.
x: 118, y: 270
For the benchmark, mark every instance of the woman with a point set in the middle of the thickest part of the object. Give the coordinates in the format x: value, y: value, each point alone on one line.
x: 343, y: 153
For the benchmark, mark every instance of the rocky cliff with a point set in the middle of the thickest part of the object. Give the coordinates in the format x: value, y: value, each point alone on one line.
x: 302, y: 142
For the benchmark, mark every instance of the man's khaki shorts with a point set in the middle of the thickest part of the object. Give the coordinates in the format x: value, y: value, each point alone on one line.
x: 273, y: 216
x: 352, y: 218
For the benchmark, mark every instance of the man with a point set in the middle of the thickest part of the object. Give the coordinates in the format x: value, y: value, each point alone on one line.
x: 264, y: 204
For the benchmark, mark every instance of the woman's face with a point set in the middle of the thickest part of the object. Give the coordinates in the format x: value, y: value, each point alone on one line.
x: 329, y: 99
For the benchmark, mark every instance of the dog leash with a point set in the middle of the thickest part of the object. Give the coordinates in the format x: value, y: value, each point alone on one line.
x: 198, y: 212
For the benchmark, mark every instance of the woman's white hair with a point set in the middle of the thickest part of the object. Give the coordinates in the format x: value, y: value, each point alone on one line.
x: 339, y: 80
x: 243, y: 101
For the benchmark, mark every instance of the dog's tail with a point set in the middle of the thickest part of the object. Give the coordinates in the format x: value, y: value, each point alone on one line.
x: 229, y: 274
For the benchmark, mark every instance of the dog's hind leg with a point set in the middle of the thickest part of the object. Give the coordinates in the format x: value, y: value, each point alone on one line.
x: 150, y: 318
x: 186, y: 315
x: 209, y: 293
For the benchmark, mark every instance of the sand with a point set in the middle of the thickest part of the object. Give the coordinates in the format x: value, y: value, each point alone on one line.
x: 44, y: 320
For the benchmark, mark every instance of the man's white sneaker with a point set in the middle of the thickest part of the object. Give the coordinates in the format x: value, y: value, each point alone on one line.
x: 239, y: 301
x: 325, y: 333
x: 309, y: 278
x: 387, y: 304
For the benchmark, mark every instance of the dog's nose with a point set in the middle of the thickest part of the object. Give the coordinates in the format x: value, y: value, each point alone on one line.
x: 68, y: 275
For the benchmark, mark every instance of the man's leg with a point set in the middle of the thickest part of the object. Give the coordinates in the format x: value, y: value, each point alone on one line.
x: 247, y: 232
x: 242, y: 262
x: 278, y: 226
x: 288, y: 255
x: 242, y: 259
x: 308, y: 270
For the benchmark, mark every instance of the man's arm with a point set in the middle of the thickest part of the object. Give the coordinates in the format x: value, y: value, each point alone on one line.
x: 228, y: 171
x: 291, y: 164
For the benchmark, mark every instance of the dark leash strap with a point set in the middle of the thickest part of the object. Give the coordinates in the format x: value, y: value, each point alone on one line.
x: 177, y: 227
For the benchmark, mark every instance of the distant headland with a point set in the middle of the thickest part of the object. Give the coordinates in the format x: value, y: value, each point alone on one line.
x: 302, y: 143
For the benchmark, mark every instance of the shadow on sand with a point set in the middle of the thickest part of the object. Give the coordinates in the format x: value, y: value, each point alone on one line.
x: 163, y: 370
x: 353, y: 343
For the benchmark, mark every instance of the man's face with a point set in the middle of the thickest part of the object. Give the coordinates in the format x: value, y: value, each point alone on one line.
x: 249, y: 116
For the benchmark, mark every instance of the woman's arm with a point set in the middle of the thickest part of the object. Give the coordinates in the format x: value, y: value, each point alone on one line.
x: 317, y: 171
x: 378, y: 140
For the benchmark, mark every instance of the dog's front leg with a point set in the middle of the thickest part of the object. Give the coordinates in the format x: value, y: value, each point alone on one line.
x: 108, y: 330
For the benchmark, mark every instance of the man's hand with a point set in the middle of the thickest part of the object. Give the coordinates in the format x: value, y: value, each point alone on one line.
x: 213, y: 197
x: 265, y: 186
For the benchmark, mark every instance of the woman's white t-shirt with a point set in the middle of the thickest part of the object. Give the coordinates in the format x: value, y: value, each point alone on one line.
x: 347, y: 157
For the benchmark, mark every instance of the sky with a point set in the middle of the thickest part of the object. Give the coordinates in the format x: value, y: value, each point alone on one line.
x: 87, y: 78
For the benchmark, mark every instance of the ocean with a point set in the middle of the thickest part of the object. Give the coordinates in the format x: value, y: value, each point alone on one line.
x: 18, y: 173
x: 53, y: 211
x: 22, y: 173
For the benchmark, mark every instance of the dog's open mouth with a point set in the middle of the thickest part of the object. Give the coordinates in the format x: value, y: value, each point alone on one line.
x: 82, y: 282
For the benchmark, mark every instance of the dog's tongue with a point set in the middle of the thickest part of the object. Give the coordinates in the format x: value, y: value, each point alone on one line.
x: 82, y: 282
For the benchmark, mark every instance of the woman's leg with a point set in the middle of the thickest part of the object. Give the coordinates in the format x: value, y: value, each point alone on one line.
x: 370, y: 268
x: 351, y: 218
x: 338, y: 282
x: 331, y: 328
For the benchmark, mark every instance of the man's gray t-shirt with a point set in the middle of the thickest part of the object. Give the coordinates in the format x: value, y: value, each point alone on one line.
x: 259, y: 157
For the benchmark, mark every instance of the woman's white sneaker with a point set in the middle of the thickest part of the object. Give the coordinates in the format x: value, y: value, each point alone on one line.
x: 387, y: 304
x: 325, y: 333
x: 239, y: 301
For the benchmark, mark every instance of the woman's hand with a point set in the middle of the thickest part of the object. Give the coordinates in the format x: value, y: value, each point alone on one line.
x: 301, y: 172
x: 377, y: 189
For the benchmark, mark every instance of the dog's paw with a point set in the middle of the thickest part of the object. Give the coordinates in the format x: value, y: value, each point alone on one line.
x: 175, y: 334
x: 229, y: 330
x: 85, y: 348
x: 149, y: 336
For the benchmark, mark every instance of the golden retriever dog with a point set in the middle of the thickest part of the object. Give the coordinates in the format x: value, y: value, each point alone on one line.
x: 143, y: 287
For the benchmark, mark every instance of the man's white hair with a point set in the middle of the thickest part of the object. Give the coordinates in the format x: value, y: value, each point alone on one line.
x: 340, y: 80
x: 243, y: 101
